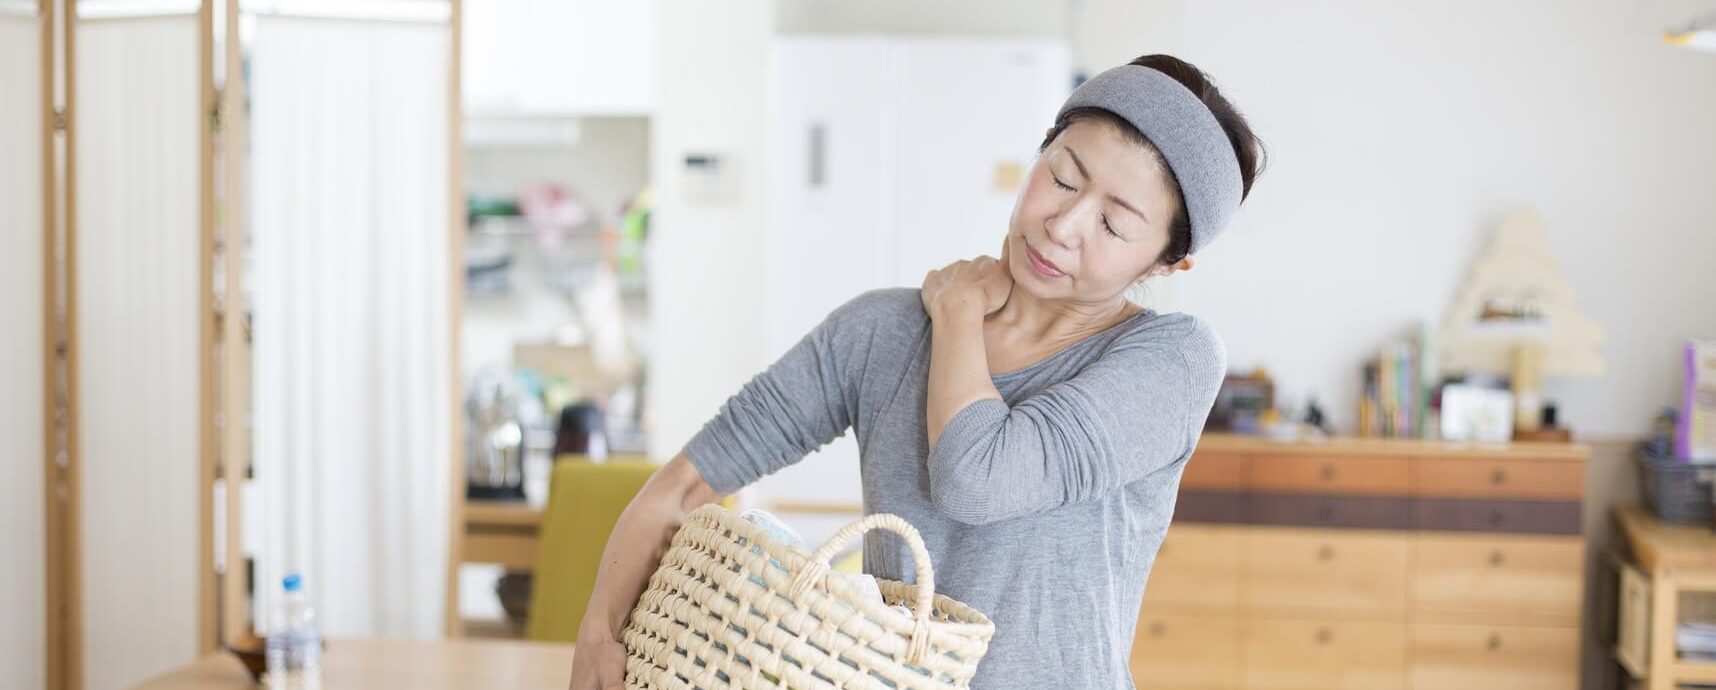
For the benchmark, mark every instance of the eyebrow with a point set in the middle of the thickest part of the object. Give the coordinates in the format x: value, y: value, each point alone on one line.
x: 1111, y: 197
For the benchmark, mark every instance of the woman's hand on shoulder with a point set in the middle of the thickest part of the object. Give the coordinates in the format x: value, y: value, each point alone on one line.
x: 981, y: 285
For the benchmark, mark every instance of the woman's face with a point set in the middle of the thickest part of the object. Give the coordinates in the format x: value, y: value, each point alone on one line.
x: 1092, y: 218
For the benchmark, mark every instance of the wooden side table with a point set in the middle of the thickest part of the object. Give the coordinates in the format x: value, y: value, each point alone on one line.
x: 502, y: 532
x: 1676, y: 559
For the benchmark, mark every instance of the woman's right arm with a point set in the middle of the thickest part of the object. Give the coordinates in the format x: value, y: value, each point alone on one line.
x: 801, y: 402
x: 634, y: 550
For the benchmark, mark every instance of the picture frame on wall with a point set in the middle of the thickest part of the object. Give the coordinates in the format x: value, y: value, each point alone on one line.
x: 1240, y: 404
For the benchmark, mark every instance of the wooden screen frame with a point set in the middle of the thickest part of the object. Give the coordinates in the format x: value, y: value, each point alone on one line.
x: 208, y: 636
x: 233, y: 459
x: 62, y: 627
x: 455, y: 307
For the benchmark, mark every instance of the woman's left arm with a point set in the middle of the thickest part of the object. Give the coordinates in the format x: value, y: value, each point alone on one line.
x: 1136, y: 410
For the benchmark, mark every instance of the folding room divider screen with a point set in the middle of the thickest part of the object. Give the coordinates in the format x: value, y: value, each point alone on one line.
x: 23, y: 270
x: 140, y: 218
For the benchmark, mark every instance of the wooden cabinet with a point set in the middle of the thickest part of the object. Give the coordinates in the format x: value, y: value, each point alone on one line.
x: 1368, y: 564
x: 1215, y: 471
x: 1197, y: 569
x: 1353, y: 474
x: 1476, y: 657
x: 1669, y: 579
x: 1499, y: 478
x: 1348, y: 574
x: 560, y: 57
x: 1187, y: 651
x: 1497, y: 579
x: 1322, y: 655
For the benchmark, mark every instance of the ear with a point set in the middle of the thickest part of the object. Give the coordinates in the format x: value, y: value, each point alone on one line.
x: 1170, y: 269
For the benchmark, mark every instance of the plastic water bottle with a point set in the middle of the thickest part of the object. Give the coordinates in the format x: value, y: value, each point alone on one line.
x: 294, y: 643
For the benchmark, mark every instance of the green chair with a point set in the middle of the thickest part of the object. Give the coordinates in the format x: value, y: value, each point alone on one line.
x: 585, y: 499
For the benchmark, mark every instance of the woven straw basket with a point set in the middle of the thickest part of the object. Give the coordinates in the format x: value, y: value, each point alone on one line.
x: 705, y: 624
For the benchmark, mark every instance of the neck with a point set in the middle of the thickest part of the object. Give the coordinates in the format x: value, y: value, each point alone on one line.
x: 1042, y: 320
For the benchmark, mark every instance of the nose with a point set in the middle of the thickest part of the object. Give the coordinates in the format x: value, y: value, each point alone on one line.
x: 1068, y: 227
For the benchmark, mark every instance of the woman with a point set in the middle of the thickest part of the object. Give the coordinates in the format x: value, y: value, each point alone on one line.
x: 1025, y: 416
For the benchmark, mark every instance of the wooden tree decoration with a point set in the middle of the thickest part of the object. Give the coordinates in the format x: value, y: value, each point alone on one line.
x: 1516, y: 315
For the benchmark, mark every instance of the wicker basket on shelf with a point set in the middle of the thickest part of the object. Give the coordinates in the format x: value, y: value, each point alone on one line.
x: 706, y: 623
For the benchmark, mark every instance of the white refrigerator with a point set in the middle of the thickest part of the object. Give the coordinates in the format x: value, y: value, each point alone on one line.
x: 889, y: 156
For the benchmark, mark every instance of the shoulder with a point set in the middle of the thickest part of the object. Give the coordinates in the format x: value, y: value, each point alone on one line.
x: 1189, y: 338
x: 886, y: 307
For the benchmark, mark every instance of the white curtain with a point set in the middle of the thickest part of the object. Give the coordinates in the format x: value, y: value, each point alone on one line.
x: 21, y: 254
x: 138, y: 119
x: 352, y: 373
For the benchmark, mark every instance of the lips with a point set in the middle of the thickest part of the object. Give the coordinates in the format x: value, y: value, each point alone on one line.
x: 1041, y: 265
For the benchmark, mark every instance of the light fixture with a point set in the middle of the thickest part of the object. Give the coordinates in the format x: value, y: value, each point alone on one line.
x: 1698, y: 34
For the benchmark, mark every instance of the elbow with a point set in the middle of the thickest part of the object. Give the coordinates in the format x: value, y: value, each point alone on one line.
x: 967, y: 462
x: 965, y: 502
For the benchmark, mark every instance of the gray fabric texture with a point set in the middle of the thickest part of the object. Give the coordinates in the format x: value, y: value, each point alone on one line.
x: 1044, y: 510
x: 1187, y: 134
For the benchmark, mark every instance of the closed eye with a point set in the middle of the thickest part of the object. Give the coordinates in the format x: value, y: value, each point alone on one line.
x: 1105, y: 225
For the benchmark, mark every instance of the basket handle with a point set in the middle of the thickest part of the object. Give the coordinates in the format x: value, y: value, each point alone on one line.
x: 817, y: 569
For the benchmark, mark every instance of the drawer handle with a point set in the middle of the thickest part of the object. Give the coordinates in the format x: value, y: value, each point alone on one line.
x: 1328, y: 472
x: 1324, y: 636
x: 1326, y: 553
x: 1158, y: 629
x: 1495, y: 642
x: 1497, y: 518
x: 1499, y: 476
x: 1496, y: 559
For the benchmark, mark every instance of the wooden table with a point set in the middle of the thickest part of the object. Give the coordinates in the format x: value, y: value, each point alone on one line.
x: 371, y: 664
x: 1676, y: 559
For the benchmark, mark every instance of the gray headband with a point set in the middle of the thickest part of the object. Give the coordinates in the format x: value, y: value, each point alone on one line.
x: 1184, y: 131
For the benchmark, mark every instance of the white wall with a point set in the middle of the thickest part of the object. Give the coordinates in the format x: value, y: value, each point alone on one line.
x: 1401, y: 132
x: 22, y: 590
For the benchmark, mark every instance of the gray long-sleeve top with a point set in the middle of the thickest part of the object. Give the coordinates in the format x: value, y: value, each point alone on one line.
x: 1043, y: 510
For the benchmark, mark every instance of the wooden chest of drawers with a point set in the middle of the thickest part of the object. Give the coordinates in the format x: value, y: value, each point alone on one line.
x: 1368, y: 564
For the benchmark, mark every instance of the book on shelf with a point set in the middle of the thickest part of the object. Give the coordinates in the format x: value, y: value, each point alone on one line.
x: 1394, y: 400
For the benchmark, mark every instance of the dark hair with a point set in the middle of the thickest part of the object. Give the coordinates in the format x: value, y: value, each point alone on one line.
x: 1246, y: 146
